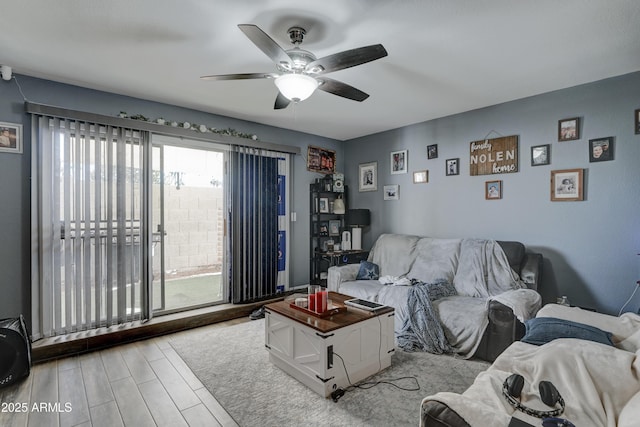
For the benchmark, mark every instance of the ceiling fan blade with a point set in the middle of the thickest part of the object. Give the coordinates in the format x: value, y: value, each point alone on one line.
x: 341, y: 89
x: 346, y: 59
x: 244, y: 76
x: 281, y: 102
x: 265, y: 44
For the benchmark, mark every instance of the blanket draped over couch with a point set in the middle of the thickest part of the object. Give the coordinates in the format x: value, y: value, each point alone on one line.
x: 478, y: 269
x: 421, y: 329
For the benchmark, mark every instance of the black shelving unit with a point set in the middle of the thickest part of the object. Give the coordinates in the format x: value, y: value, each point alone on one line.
x: 326, y: 226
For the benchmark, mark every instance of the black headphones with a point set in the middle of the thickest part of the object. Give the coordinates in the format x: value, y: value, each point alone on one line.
x: 512, y: 387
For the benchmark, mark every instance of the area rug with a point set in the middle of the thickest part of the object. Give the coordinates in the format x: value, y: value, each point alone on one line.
x: 233, y: 364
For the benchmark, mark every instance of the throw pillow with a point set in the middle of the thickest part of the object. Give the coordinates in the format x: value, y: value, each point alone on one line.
x: 541, y: 330
x: 368, y: 271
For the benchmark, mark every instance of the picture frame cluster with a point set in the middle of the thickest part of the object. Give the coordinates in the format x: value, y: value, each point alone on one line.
x: 565, y: 184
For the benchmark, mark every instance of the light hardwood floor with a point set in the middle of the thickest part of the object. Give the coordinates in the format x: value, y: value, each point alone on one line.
x: 138, y: 384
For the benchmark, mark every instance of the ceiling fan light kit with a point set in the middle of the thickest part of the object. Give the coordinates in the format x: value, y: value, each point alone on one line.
x: 296, y: 87
x: 300, y: 72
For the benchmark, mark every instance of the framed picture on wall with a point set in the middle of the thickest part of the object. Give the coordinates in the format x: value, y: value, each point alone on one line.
x: 540, y: 155
x: 452, y: 166
x: 391, y: 192
x: 569, y: 129
x: 398, y: 162
x: 637, y: 121
x: 601, y: 149
x: 368, y: 176
x: 567, y: 185
x: 10, y: 137
x: 432, y: 151
x: 493, y: 190
x: 421, y: 177
x: 321, y: 160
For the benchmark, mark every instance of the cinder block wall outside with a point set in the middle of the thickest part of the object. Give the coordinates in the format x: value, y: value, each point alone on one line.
x: 194, y: 225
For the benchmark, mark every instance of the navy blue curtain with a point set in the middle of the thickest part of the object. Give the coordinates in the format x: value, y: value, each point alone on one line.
x: 253, y: 220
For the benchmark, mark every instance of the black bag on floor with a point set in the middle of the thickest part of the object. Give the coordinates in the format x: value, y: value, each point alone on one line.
x: 15, y: 351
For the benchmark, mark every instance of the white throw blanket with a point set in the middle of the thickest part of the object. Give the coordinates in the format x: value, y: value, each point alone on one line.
x: 524, y: 303
x: 597, y: 382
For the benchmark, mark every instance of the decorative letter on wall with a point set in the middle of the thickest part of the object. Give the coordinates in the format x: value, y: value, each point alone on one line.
x: 492, y: 156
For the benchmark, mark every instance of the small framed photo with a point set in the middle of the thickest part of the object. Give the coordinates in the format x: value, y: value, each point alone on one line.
x: 493, y: 190
x: 334, y: 227
x: 323, y: 228
x: 567, y: 185
x: 391, y: 192
x: 421, y: 177
x: 452, y: 166
x: 398, y: 162
x: 323, y: 205
x: 636, y: 126
x: 569, y: 129
x: 601, y: 149
x: 321, y: 160
x: 368, y: 176
x: 10, y: 137
x: 540, y: 155
x: 432, y: 151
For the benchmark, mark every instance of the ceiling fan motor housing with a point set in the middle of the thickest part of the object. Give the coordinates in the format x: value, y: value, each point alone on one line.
x: 296, y: 34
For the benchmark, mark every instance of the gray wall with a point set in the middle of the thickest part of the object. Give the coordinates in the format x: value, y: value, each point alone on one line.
x: 15, y: 170
x: 590, y: 247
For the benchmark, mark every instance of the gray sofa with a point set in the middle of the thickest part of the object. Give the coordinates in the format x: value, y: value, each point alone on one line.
x: 469, y: 264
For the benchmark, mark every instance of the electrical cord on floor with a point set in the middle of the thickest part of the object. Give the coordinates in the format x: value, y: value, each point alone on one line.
x: 365, y: 385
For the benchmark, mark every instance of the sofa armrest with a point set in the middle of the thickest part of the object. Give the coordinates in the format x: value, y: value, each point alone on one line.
x: 503, y: 329
x: 437, y: 414
x: 341, y: 273
x: 531, y: 271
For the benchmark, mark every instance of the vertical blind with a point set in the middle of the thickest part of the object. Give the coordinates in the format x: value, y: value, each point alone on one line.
x: 258, y: 212
x: 90, y: 221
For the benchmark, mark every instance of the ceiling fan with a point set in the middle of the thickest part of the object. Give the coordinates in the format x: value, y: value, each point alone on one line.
x: 300, y: 72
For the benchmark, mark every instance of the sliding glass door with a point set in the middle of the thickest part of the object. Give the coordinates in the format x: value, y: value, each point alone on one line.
x: 187, y: 225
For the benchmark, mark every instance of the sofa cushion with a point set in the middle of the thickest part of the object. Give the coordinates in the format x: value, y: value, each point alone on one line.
x: 365, y: 289
x: 484, y: 270
x: 541, y: 330
x: 456, y: 314
x: 436, y: 259
x: 368, y: 271
x: 394, y: 254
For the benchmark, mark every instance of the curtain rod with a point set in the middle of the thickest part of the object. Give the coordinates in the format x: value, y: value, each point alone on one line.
x: 48, y: 110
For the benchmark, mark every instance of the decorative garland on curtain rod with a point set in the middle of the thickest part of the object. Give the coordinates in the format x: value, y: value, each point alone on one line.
x: 192, y: 126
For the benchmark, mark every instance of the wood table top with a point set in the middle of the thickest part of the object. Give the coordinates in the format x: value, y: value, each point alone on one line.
x: 331, y: 323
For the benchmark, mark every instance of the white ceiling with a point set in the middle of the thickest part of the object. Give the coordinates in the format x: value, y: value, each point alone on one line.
x: 445, y: 57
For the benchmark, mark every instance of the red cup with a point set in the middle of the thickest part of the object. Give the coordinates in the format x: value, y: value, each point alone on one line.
x: 321, y: 301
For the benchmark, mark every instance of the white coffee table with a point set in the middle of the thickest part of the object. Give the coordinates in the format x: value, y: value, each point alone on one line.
x: 313, y: 349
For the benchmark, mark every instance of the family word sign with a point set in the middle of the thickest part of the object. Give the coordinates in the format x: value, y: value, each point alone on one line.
x: 491, y: 156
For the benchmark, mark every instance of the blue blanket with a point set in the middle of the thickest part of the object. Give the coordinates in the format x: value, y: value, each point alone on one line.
x: 421, y: 329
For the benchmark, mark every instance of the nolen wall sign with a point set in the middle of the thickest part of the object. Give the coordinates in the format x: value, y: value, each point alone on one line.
x: 491, y: 156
